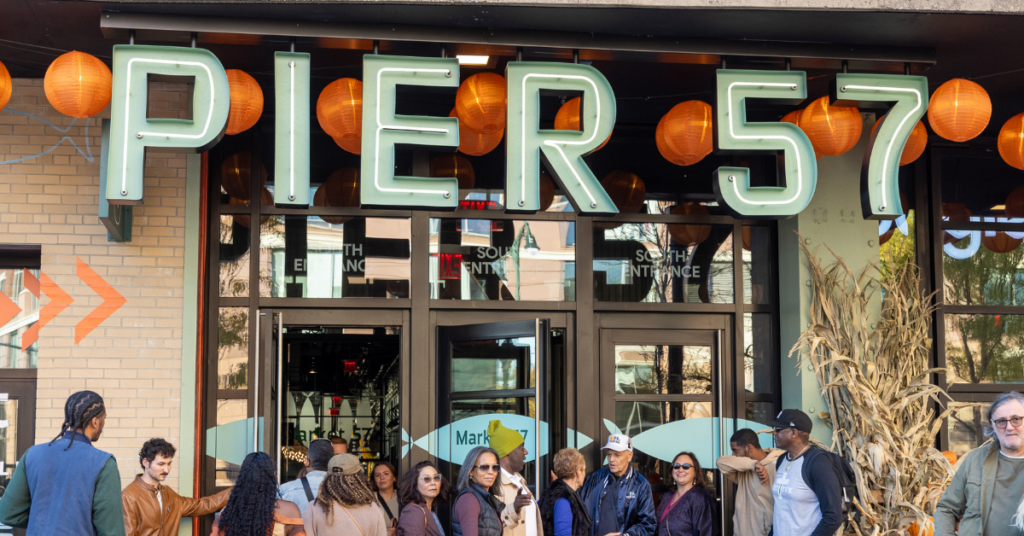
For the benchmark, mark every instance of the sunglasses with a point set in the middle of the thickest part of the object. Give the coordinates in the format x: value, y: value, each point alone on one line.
x: 676, y: 466
x: 488, y: 468
x: 429, y: 479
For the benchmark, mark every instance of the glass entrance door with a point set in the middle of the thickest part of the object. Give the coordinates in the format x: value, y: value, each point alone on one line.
x: 499, y: 371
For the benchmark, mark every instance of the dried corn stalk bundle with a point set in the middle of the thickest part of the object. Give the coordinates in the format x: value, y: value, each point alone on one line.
x: 876, y: 382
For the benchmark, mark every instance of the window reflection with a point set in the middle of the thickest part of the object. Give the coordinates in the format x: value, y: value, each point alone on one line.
x: 984, y: 348
x: 21, y: 287
x: 983, y: 268
x: 493, y: 364
x: 758, y: 349
x: 966, y: 429
x: 662, y: 369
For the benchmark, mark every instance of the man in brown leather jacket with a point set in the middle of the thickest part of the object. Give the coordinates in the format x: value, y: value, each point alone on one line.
x: 152, y: 509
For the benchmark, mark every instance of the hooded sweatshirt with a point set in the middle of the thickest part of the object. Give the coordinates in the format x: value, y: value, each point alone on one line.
x: 754, y: 502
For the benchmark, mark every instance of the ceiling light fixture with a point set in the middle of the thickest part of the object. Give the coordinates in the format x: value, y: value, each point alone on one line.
x: 998, y: 208
x: 472, y: 60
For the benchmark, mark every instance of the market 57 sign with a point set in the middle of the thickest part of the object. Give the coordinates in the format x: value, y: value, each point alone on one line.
x: 131, y: 132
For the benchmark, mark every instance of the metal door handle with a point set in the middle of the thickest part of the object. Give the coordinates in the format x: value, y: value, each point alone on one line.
x: 280, y: 388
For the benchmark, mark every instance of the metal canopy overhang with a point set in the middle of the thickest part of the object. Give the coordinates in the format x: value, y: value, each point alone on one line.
x: 117, y: 25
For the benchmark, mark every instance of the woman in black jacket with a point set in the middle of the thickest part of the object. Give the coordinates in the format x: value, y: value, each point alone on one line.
x: 561, y: 509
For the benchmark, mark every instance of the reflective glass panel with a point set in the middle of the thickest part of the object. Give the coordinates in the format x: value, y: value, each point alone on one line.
x: 758, y: 349
x: 234, y: 255
x: 228, y: 411
x: 20, y: 286
x: 8, y: 441
x: 983, y: 267
x: 502, y: 260
x: 760, y: 412
x: 758, y: 276
x: 233, y: 348
x: 651, y: 262
x: 345, y: 257
x: 639, y: 418
x: 488, y: 365
x: 984, y: 348
x: 662, y: 369
x: 966, y: 429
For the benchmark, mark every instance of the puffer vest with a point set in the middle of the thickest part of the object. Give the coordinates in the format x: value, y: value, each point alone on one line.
x: 62, y: 483
x: 489, y: 523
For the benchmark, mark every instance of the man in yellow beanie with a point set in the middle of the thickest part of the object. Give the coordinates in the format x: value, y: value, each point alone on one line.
x: 521, y: 516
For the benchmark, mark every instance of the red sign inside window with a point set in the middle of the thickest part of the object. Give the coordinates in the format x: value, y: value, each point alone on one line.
x: 449, y: 265
x: 350, y: 366
x: 335, y: 412
x: 336, y: 400
x: 469, y: 204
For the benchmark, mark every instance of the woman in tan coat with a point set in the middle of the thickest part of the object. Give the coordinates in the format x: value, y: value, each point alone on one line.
x: 345, y: 506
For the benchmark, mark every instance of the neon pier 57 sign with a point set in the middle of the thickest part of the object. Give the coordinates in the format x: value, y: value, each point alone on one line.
x: 131, y: 132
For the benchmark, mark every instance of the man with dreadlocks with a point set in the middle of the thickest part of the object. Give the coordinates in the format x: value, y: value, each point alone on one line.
x: 68, y: 487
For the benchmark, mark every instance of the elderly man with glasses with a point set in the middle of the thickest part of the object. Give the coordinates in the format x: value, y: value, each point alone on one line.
x: 988, y: 486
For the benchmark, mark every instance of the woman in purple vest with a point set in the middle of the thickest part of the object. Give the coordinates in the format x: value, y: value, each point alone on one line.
x: 67, y: 486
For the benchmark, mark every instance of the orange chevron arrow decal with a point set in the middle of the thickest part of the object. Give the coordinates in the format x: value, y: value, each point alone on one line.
x: 8, y: 309
x: 112, y: 301
x: 59, y: 300
x: 31, y: 283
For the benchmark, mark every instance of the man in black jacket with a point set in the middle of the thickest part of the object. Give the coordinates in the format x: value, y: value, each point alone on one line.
x: 807, y: 490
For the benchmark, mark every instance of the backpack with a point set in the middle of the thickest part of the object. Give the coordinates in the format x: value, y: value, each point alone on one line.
x: 844, y: 474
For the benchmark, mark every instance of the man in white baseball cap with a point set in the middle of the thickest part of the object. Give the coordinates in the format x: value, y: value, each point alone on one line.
x: 617, y: 492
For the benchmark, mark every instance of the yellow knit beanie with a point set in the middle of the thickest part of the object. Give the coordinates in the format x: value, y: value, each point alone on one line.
x: 502, y: 439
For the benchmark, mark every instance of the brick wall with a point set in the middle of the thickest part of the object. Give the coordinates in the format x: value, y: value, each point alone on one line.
x: 133, y: 359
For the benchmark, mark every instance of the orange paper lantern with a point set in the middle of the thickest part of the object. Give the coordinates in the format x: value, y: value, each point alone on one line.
x: 999, y: 241
x: 235, y: 172
x: 78, y: 84
x: 627, y: 191
x: 915, y: 145
x: 1015, y: 203
x: 684, y: 133
x: 833, y: 130
x: 339, y: 110
x: 341, y: 189
x: 959, y: 110
x: 954, y: 212
x: 1011, y: 141
x: 6, y: 86
x: 568, y: 118
x: 246, y: 101
x: 688, y: 234
x: 746, y: 238
x: 454, y: 165
x: 266, y: 199
x: 794, y: 118
x: 547, y: 190
x: 480, y: 102
x: 474, y: 142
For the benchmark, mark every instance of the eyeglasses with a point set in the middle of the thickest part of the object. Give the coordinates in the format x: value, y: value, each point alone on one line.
x: 488, y: 468
x: 779, y: 430
x: 686, y: 466
x: 1015, y: 421
x: 429, y: 479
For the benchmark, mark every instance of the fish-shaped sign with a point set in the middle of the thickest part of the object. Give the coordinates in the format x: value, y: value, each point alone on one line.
x: 699, y: 436
x: 452, y: 442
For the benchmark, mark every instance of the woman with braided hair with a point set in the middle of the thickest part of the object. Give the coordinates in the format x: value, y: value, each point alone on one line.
x: 345, y: 506
x: 253, y: 508
x: 67, y: 486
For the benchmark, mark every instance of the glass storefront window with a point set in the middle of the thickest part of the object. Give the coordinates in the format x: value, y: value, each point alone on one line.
x: 21, y: 287
x: 983, y: 267
x: 760, y: 412
x: 233, y: 348
x: 650, y: 262
x: 228, y: 411
x: 636, y: 417
x: 8, y: 441
x: 984, y: 348
x: 493, y: 364
x: 335, y: 257
x: 662, y: 369
x: 516, y: 260
x: 758, y: 276
x: 234, y: 255
x: 966, y: 429
x: 758, y: 351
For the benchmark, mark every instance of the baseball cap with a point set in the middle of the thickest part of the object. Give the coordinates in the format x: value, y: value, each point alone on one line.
x: 618, y: 442
x: 793, y: 418
x: 345, y: 464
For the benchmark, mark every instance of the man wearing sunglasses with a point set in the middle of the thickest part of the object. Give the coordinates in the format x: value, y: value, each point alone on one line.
x: 752, y: 469
x: 989, y: 483
x: 617, y: 497
x: 807, y: 491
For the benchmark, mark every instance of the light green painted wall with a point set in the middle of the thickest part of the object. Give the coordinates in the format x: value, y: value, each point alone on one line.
x: 190, y: 308
x: 833, y: 218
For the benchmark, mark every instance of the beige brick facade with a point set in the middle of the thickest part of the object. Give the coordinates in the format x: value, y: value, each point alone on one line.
x: 133, y: 359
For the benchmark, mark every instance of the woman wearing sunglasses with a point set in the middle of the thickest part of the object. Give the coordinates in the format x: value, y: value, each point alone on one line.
x: 689, y: 510
x: 477, y: 510
x: 420, y: 490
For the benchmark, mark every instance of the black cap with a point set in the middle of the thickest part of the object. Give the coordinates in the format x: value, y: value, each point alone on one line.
x: 793, y: 418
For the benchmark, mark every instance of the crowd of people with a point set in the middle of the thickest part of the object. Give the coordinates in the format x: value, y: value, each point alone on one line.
x: 69, y: 487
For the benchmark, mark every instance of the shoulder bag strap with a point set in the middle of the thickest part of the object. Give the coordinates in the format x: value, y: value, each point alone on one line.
x: 354, y: 522
x: 384, y: 504
x: 424, y: 519
x: 307, y: 489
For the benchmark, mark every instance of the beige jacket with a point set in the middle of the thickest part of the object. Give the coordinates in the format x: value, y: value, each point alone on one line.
x: 515, y: 524
x: 754, y: 503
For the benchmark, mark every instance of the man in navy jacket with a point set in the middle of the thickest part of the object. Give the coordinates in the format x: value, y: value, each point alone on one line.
x: 618, y: 498
x: 807, y: 491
